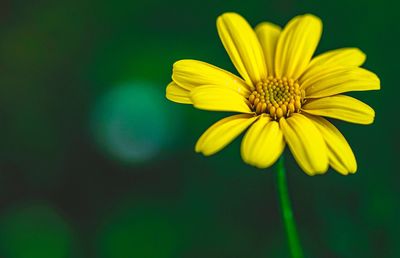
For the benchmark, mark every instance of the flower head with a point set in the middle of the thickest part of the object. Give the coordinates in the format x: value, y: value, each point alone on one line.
x: 283, y: 94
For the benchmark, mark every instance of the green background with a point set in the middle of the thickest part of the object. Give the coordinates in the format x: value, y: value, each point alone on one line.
x: 95, y: 162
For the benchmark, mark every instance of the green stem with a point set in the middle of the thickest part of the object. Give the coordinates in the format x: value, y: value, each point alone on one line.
x: 290, y: 224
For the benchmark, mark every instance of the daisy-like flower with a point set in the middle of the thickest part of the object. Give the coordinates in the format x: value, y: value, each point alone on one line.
x: 283, y: 94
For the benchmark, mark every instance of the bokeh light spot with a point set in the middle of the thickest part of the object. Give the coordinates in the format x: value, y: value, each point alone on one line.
x: 133, y: 123
x: 34, y: 231
x: 139, y: 232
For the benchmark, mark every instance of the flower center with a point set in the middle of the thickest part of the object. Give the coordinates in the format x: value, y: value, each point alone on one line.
x: 277, y: 97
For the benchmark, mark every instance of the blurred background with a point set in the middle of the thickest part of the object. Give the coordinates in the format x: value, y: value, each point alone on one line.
x: 95, y: 162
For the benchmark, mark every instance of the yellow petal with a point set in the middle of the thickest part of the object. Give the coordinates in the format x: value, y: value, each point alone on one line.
x: 296, y: 45
x: 217, y: 98
x: 341, y: 157
x: 222, y: 133
x: 243, y: 47
x: 268, y: 34
x: 305, y: 143
x: 189, y: 74
x: 332, y: 81
x: 341, y: 107
x: 352, y: 57
x: 263, y: 143
x: 177, y: 94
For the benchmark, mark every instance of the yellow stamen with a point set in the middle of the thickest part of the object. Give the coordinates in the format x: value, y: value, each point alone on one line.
x: 277, y: 97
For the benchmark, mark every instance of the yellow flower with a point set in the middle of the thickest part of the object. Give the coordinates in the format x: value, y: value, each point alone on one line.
x: 283, y: 94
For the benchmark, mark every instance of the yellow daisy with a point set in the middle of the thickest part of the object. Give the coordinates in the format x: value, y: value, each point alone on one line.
x: 283, y: 94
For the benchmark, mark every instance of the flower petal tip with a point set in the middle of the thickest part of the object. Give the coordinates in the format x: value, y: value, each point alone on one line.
x: 175, y: 93
x: 346, y: 172
x: 227, y: 14
x: 268, y: 25
x: 312, y: 17
x: 320, y: 171
x: 361, y: 54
